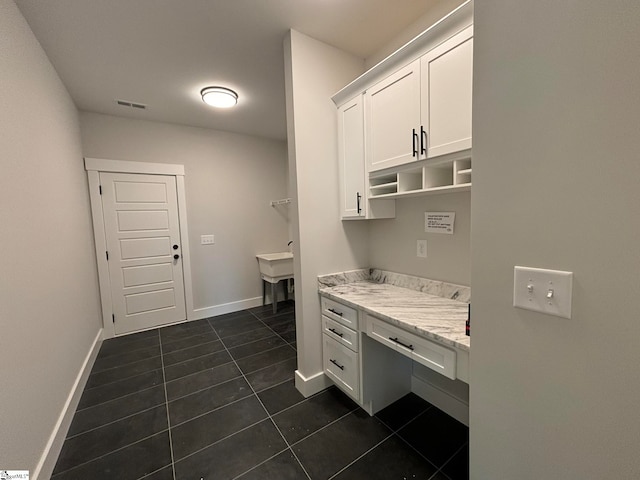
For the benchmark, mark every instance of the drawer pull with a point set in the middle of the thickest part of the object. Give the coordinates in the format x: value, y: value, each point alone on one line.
x: 410, y: 347
x: 333, y: 330
x: 341, y: 367
x: 335, y: 311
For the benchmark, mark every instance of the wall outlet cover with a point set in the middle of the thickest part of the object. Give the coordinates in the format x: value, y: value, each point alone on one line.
x: 207, y: 239
x: 421, y: 249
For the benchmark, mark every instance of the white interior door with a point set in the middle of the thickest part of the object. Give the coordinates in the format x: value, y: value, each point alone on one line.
x: 143, y: 247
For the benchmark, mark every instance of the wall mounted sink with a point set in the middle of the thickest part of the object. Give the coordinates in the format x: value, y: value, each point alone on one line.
x: 276, y: 265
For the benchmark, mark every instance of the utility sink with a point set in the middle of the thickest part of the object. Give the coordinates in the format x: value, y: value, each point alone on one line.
x: 276, y: 265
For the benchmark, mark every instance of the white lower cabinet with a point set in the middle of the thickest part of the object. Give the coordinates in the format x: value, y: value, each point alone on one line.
x: 372, y: 360
x: 342, y: 366
x: 419, y: 349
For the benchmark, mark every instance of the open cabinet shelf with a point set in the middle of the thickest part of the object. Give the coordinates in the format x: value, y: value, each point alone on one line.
x: 428, y: 179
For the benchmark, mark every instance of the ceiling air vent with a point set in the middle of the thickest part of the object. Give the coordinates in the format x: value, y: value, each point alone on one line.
x: 124, y: 103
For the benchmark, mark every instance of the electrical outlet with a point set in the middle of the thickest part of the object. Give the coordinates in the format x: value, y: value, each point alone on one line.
x: 545, y: 291
x: 207, y: 239
x: 422, y: 249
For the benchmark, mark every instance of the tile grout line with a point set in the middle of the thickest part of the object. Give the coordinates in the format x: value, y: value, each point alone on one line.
x: 276, y: 333
x: 267, y: 412
x: 112, y: 422
x: 109, y: 453
x: 359, y: 457
x: 120, y: 380
x: 451, y: 458
x: 114, y: 399
x: 166, y: 400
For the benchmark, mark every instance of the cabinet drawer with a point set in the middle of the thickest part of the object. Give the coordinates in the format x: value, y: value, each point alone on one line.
x: 341, y: 366
x: 347, y: 316
x: 419, y: 349
x: 342, y: 334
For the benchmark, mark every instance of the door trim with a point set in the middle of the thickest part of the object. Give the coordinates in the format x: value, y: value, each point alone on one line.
x: 94, y: 166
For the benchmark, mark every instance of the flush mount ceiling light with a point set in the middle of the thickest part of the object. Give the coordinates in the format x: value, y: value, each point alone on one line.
x: 219, y: 97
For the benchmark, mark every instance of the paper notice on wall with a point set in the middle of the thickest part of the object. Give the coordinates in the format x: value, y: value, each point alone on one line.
x: 439, y: 222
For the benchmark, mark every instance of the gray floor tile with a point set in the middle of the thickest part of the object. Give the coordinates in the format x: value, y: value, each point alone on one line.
x: 103, y: 440
x: 113, y: 410
x: 314, y: 413
x: 281, y: 467
x: 130, y: 463
x: 204, y: 401
x: 336, y: 446
x: 201, y: 380
x: 265, y: 359
x: 234, y: 455
x: 272, y: 375
x: 196, y: 365
x: 198, y: 433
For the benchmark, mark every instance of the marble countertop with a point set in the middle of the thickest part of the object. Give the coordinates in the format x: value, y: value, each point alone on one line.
x: 427, y: 315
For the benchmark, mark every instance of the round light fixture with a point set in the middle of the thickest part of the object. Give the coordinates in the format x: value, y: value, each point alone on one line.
x: 219, y: 97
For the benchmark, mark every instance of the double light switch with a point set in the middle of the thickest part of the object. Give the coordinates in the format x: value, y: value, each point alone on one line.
x: 541, y: 290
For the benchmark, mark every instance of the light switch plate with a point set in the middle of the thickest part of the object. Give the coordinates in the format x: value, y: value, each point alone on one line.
x: 541, y: 290
x: 421, y: 249
x: 207, y: 239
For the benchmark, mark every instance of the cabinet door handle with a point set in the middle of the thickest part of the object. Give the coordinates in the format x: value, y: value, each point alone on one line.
x: 336, y: 332
x: 358, y: 197
x: 414, y: 140
x: 335, y: 311
x: 410, y: 347
x: 423, y: 141
x: 341, y: 367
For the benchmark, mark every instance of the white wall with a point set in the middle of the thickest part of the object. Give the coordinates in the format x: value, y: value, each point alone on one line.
x: 314, y: 71
x: 392, y: 242
x: 556, y: 170
x: 230, y: 180
x: 49, y: 302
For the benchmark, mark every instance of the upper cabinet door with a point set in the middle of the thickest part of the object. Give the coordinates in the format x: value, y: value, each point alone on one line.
x: 393, y: 119
x: 351, y: 158
x: 446, y: 87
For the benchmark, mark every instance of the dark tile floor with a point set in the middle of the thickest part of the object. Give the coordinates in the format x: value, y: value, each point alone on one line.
x: 215, y: 399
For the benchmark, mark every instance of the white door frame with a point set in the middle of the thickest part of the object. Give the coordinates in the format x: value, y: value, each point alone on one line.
x: 94, y: 166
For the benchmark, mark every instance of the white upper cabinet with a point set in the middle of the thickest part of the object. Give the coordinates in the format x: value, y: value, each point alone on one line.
x: 446, y: 84
x: 393, y: 115
x: 354, y: 195
x: 351, y: 158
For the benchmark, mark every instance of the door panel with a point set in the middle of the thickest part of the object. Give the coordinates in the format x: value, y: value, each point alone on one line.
x: 147, y: 274
x: 133, y: 248
x: 142, y: 220
x: 141, y: 227
x: 140, y: 192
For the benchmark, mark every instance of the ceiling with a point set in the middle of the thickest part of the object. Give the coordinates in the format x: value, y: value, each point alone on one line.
x: 161, y: 53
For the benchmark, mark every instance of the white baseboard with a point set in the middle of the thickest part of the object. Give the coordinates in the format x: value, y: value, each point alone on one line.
x: 200, y: 313
x: 312, y: 385
x: 446, y: 402
x: 47, y: 462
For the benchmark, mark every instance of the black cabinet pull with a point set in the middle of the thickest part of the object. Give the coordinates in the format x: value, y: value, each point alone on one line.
x: 336, y: 332
x: 176, y: 256
x: 341, y: 367
x: 414, y: 140
x: 335, y: 311
x: 410, y: 347
x: 175, y: 247
x: 358, y: 197
x: 423, y: 141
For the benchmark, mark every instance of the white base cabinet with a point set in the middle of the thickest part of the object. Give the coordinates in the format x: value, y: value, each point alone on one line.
x: 372, y: 360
